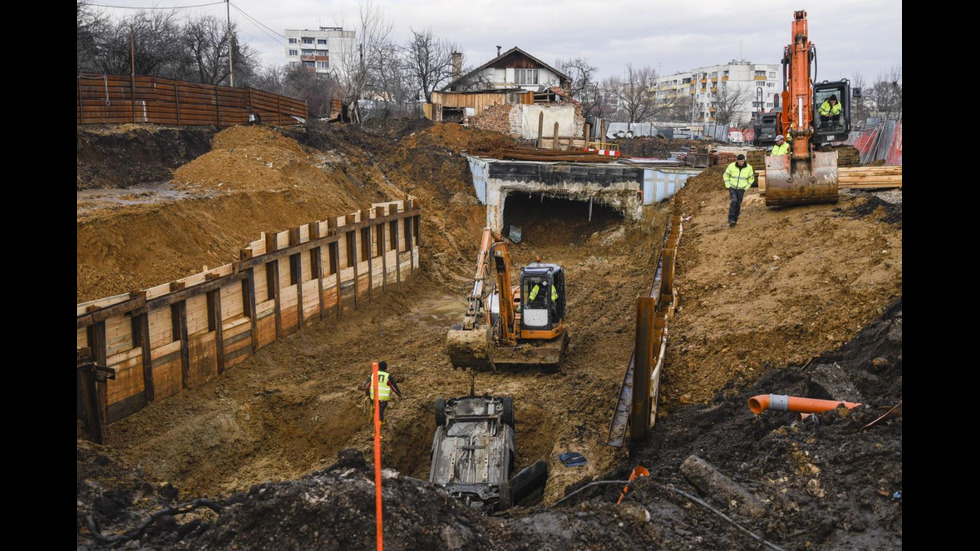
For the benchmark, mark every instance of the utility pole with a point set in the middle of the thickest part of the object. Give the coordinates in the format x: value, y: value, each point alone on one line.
x: 132, y: 69
x: 231, y: 46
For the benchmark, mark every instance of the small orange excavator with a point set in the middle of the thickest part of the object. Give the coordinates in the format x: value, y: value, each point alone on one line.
x: 806, y: 175
x: 506, y: 325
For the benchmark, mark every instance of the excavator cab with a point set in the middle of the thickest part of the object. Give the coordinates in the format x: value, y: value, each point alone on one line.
x: 837, y: 129
x: 543, y: 296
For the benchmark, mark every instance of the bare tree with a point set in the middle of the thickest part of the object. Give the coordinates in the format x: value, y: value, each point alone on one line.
x: 207, y: 43
x: 196, y: 51
x: 859, y: 102
x: 90, y: 24
x: 729, y: 104
x: 634, y: 94
x: 584, y: 86
x: 316, y: 89
x: 388, y: 79
x: 885, y: 95
x: 353, y: 62
x: 677, y: 110
x: 430, y: 61
x: 271, y: 79
x: 155, y: 37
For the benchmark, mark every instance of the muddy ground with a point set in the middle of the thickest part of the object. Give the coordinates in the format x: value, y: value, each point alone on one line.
x: 803, y: 301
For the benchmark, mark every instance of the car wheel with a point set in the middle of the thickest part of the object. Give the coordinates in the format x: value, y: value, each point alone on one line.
x: 440, y: 412
x: 506, y: 499
x: 508, y: 414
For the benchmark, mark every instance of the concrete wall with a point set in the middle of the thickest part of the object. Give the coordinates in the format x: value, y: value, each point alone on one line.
x: 621, y: 187
x: 524, y: 121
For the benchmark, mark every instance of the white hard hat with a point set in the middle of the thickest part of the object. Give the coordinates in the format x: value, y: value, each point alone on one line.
x: 779, y: 137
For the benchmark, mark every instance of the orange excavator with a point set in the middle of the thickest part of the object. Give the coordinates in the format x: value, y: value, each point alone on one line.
x: 808, y: 174
x: 507, y: 325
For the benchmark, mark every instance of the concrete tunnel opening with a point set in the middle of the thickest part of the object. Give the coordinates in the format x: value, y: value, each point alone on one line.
x: 545, y: 219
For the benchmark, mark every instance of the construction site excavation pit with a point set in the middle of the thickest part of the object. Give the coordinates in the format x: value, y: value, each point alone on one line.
x: 803, y: 302
x: 292, y: 407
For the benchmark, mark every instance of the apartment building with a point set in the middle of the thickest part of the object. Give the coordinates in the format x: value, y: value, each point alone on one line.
x: 700, y: 90
x: 312, y: 48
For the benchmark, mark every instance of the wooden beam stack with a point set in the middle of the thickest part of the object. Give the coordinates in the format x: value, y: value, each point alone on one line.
x: 858, y: 177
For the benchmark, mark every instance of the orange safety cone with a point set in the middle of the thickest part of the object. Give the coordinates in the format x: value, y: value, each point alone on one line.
x: 637, y: 472
x: 781, y: 402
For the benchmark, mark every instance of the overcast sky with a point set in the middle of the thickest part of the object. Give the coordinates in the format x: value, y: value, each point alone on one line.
x: 852, y: 38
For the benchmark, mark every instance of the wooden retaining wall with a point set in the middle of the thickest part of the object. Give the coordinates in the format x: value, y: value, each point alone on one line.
x: 182, y: 334
x: 118, y: 99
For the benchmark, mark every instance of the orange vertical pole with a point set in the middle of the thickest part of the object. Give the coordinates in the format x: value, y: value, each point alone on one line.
x: 377, y: 452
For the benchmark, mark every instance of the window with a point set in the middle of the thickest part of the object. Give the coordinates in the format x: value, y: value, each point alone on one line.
x: 307, y: 52
x: 321, y: 40
x: 772, y: 74
x: 308, y: 64
x: 307, y: 40
x: 526, y: 76
x: 760, y: 74
x: 322, y: 64
x: 292, y: 41
x: 293, y: 52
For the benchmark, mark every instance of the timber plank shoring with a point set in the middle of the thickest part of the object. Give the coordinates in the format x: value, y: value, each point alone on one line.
x: 182, y: 334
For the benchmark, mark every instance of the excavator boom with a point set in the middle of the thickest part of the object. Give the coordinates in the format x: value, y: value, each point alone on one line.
x: 804, y: 176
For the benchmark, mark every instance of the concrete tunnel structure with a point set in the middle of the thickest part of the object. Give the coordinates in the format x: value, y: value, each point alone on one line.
x: 620, y: 186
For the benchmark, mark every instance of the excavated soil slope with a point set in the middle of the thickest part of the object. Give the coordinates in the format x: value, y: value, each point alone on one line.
x: 757, y: 302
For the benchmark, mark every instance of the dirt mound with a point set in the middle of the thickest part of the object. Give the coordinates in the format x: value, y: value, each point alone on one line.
x: 779, y: 288
x: 128, y: 155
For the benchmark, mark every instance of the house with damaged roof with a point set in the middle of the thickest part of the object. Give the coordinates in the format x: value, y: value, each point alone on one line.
x: 514, y: 93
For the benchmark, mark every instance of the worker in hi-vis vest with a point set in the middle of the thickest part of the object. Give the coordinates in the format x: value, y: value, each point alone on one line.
x: 385, y: 385
x: 781, y: 147
x: 738, y: 178
x: 537, y: 288
x: 829, y: 112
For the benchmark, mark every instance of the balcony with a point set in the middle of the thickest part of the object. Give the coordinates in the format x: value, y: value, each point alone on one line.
x: 307, y: 58
x: 763, y: 77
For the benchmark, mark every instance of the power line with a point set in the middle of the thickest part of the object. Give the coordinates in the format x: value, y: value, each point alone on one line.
x: 155, y: 7
x: 257, y: 22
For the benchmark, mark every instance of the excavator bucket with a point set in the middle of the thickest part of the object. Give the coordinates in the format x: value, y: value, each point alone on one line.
x: 803, y: 181
x: 474, y: 348
x: 541, y: 353
x: 469, y: 347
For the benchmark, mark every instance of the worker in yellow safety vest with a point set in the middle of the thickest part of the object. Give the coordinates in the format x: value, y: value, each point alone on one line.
x: 781, y: 147
x: 537, y: 288
x: 738, y: 178
x: 829, y: 112
x: 386, y: 384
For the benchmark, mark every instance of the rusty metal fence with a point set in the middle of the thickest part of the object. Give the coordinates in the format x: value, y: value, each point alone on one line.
x: 636, y: 408
x: 118, y: 99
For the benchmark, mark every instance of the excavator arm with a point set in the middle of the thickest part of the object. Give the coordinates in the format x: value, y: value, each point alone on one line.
x: 804, y: 176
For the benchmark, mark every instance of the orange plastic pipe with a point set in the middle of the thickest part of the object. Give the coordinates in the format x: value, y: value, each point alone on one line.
x: 781, y: 402
x: 637, y: 472
x: 377, y: 452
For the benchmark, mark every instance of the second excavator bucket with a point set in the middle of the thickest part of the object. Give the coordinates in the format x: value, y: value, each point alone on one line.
x: 541, y: 353
x: 802, y: 181
x: 474, y: 348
